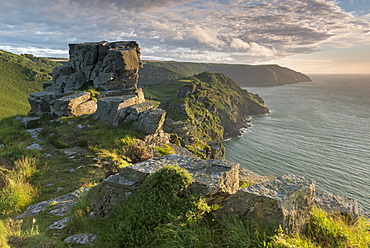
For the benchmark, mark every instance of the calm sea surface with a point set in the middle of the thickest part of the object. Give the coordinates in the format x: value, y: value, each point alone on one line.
x: 319, y: 129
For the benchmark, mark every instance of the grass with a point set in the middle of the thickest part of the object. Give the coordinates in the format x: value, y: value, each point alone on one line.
x: 17, y: 192
x: 21, y: 75
x: 166, y: 90
x: 152, y: 217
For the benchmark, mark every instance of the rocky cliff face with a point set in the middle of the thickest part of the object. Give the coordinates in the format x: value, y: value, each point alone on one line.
x: 243, y: 75
x: 101, y: 78
x: 206, y: 109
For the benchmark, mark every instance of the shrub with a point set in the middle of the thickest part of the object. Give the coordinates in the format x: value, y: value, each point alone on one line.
x: 161, y: 198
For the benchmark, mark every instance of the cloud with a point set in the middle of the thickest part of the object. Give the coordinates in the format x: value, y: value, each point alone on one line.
x: 252, y: 48
x: 231, y: 30
x: 205, y: 36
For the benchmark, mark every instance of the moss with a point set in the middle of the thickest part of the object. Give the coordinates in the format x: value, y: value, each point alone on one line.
x: 165, y: 150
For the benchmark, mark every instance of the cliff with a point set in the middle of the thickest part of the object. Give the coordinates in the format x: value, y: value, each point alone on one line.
x: 148, y: 196
x: 155, y: 72
x: 209, y: 107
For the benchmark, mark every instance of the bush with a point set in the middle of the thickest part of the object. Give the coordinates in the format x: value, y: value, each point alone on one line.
x: 161, y: 198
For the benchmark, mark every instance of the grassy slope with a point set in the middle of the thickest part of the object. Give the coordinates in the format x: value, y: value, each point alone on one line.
x: 19, y: 76
x: 155, y: 72
x: 216, y: 108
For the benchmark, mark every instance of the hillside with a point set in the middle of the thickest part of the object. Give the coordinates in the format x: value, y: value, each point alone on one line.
x: 155, y: 72
x: 211, y: 102
x: 19, y: 76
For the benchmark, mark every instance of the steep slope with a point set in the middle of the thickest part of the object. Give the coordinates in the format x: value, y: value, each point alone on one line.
x: 19, y: 76
x: 210, y: 102
x: 244, y: 75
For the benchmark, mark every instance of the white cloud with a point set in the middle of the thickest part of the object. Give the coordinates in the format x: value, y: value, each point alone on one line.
x: 252, y: 48
x: 205, y: 36
x: 241, y: 30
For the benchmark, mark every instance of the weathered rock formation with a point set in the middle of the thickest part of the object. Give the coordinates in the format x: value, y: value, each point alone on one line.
x: 113, y: 70
x: 335, y: 204
x: 215, y: 179
x: 285, y: 201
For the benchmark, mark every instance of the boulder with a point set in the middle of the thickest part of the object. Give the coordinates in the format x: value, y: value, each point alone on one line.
x: 335, y: 204
x: 81, y: 239
x: 285, y: 201
x: 119, y: 70
x: 30, y: 121
x: 216, y: 180
x: 150, y: 121
x: 60, y: 206
x: 40, y: 101
x: 70, y: 105
x: 252, y: 177
x: 112, y: 67
x: 108, y: 108
x: 132, y: 113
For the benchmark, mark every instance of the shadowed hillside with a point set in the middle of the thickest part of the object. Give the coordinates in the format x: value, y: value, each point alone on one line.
x: 19, y: 76
x: 155, y: 72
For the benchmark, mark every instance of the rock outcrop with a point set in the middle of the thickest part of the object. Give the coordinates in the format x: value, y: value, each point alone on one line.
x: 112, y: 69
x: 335, y: 204
x: 216, y: 180
x: 285, y: 201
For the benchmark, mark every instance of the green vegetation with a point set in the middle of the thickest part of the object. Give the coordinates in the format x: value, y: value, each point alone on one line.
x: 19, y: 76
x: 163, y: 213
x: 157, y: 72
x: 213, y: 103
x: 160, y: 199
x: 3, y: 235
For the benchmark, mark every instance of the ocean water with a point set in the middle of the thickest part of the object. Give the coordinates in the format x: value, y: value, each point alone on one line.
x: 319, y: 130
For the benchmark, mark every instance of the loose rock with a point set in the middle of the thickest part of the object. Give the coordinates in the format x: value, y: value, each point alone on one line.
x: 285, y: 201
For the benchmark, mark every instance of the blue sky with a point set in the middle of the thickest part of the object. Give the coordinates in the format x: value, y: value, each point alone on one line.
x: 311, y: 36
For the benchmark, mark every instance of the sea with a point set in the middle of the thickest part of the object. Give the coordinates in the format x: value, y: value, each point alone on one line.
x: 319, y: 130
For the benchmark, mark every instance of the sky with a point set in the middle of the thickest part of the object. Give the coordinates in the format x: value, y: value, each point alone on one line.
x: 310, y: 36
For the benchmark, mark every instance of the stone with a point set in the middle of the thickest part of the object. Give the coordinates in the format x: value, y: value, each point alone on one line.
x: 108, y: 108
x: 60, y: 224
x: 335, y: 204
x: 285, y: 201
x: 252, y: 177
x: 75, y: 82
x: 60, y: 205
x: 184, y: 130
x: 35, y: 146
x: 86, y: 108
x: 216, y: 180
x: 119, y: 70
x: 132, y: 113
x: 40, y: 101
x: 112, y: 67
x: 157, y: 139
x: 75, y: 150
x: 70, y: 105
x: 30, y: 121
x: 150, y: 121
x: 35, y: 134
x: 81, y: 239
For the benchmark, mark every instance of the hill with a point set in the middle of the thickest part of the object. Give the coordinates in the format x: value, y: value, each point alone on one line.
x: 155, y: 72
x: 19, y: 76
x: 212, y: 103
